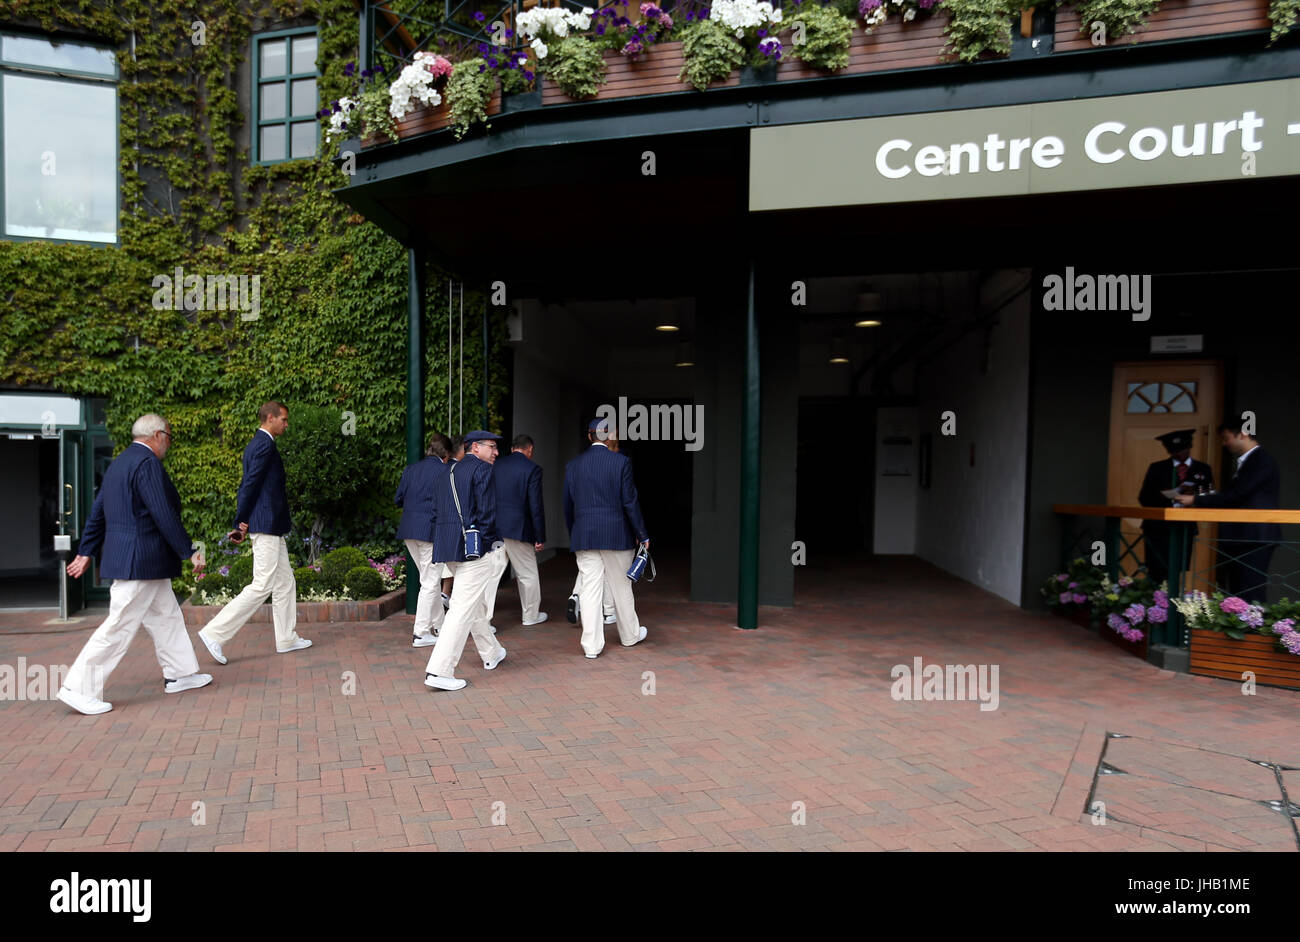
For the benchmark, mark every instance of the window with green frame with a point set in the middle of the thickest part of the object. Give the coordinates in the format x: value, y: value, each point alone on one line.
x: 284, y: 96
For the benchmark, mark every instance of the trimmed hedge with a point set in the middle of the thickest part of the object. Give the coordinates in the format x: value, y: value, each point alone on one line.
x: 364, y: 582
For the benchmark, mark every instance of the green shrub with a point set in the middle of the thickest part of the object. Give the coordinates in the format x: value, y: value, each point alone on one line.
x: 576, y: 66
x: 363, y: 582
x: 828, y: 34
x: 306, y: 578
x: 240, y: 574
x: 1118, y: 18
x: 711, y: 53
x: 469, y: 89
x: 977, y: 26
x: 212, y: 582
x: 335, y: 565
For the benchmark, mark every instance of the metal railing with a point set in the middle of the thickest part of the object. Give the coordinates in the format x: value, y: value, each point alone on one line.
x: 1258, y: 570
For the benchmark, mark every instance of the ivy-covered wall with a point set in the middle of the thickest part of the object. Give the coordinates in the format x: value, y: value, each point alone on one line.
x: 331, y: 330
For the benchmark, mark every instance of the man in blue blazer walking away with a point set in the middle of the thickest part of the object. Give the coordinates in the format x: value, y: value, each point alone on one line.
x: 416, y: 496
x: 262, y: 514
x: 466, y: 500
x: 135, y: 532
x: 521, y: 519
x: 605, y: 526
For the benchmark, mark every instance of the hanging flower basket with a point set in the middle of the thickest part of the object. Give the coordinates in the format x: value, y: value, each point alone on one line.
x: 1173, y: 19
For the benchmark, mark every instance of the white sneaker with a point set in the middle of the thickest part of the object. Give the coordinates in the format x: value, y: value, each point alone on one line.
x: 213, y: 648
x: 296, y: 646
x: 423, y: 641
x: 443, y: 683
x: 640, y: 637
x: 610, y: 619
x: 592, y: 656
x: 494, y: 628
x: 83, y: 703
x: 541, y: 617
x: 191, y: 682
x: 446, y: 601
x: 492, y: 664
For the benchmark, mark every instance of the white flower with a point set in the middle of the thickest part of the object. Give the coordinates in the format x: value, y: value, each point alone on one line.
x: 539, y: 47
x: 909, y: 15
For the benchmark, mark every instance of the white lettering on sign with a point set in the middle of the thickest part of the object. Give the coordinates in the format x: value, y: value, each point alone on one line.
x: 1104, y: 143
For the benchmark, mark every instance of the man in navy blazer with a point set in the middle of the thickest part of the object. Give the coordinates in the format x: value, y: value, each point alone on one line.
x: 415, y: 495
x: 1253, y: 484
x: 521, y: 519
x: 605, y: 526
x: 262, y: 514
x: 135, y: 532
x: 466, y: 499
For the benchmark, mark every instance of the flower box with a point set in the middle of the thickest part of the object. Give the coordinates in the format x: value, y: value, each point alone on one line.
x: 423, y: 120
x: 1173, y: 19
x: 196, y: 616
x: 654, y: 72
x: 1214, y: 654
x: 1136, y: 648
x: 891, y: 45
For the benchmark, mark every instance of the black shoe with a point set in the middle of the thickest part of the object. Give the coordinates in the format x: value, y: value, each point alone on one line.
x: 571, y: 610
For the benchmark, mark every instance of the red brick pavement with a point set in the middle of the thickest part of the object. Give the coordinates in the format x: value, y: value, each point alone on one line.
x: 745, y: 732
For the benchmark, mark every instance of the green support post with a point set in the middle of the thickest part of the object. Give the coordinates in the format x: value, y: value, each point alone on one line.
x: 414, y: 388
x: 750, y: 426
x: 1178, y: 537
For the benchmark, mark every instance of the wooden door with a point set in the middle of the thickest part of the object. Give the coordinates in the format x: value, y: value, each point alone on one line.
x: 1152, y: 398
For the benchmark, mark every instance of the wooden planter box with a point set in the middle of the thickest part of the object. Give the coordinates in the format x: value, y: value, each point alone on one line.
x: 1214, y: 654
x: 423, y: 120
x: 891, y: 45
x: 196, y: 616
x: 1173, y: 19
x: 653, y: 73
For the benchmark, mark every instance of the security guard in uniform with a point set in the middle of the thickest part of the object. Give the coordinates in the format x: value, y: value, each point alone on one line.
x: 1179, y: 470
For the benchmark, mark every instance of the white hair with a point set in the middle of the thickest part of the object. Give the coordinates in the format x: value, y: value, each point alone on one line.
x: 148, y: 425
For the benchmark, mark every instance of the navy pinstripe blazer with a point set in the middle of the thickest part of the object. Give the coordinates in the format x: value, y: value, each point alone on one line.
x: 478, y: 503
x: 262, y: 502
x: 600, y: 502
x: 415, y: 495
x: 520, y: 515
x: 135, y: 530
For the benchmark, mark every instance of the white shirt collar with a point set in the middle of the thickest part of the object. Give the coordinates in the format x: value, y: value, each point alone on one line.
x: 601, y: 444
x: 142, y: 444
x: 1241, y: 458
x: 260, y: 429
x: 1176, y: 462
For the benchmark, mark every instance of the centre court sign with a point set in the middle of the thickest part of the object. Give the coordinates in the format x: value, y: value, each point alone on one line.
x: 1186, y: 136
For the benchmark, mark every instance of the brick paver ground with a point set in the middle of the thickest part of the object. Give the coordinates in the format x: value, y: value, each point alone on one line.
x: 745, y: 734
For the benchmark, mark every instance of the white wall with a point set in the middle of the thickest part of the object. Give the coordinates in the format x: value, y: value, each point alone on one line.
x: 970, y: 521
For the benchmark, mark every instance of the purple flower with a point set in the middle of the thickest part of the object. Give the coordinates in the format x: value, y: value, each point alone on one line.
x: 528, y: 74
x: 1254, y: 617
x: 1125, y: 581
x: 1157, y: 616
x: 1066, y: 598
x: 1133, y: 634
x: 1117, y: 623
x: 1074, y: 585
x: 1161, y: 599
x: 1291, y: 641
x: 762, y: 33
x: 690, y: 15
x: 224, y: 570
x: 926, y: 4
x: 600, y: 30
x: 1062, y: 577
x: 483, y: 48
x: 350, y: 69
x: 866, y: 6
x: 1283, y: 626
x: 480, y: 16
x: 1078, y: 599
x: 492, y: 62
x: 1233, y: 605
x: 510, y: 34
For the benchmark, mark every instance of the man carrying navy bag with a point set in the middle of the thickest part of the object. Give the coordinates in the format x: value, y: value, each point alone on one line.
x: 262, y: 513
x: 605, y: 526
x: 416, y: 496
x: 466, y: 501
x: 135, y: 532
x: 522, y: 522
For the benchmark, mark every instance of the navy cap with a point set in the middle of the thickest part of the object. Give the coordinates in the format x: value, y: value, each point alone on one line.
x: 1177, y: 441
x: 478, y: 435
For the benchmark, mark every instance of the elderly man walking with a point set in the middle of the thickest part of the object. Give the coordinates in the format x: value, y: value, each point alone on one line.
x: 605, y: 526
x: 262, y: 513
x: 135, y: 532
x: 467, y: 501
x: 416, y: 495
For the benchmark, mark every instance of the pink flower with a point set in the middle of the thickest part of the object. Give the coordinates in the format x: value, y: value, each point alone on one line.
x: 1233, y: 605
x: 1066, y: 598
x: 1062, y: 577
x: 1078, y: 599
x: 1125, y: 581
x: 1284, y: 626
x: 1135, y: 613
x: 1161, y: 599
x: 1157, y: 615
x: 1291, y: 641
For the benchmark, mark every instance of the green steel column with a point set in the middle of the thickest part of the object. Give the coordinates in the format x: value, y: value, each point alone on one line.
x: 1173, y: 628
x: 750, y: 425
x: 1112, y: 548
x: 414, y: 388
